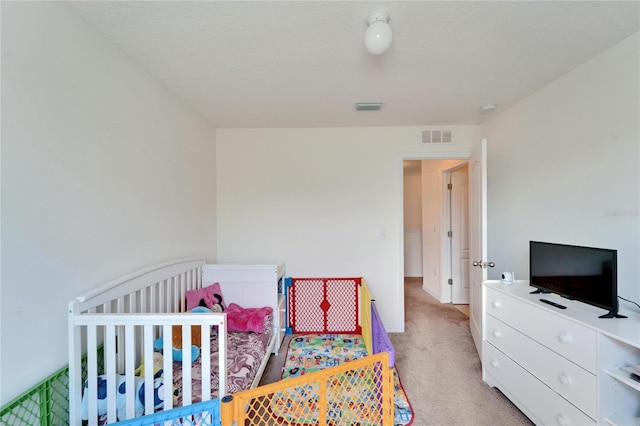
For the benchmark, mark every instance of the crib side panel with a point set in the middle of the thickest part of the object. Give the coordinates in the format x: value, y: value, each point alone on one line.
x: 108, y: 369
x: 115, y: 326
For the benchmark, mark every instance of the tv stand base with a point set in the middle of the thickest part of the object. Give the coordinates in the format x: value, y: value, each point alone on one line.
x: 549, y: 302
x: 612, y: 315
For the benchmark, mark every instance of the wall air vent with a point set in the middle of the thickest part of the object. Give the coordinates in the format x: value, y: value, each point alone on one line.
x: 369, y: 106
x: 436, y: 136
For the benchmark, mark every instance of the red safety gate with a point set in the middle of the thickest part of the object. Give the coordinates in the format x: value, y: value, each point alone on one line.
x: 323, y: 305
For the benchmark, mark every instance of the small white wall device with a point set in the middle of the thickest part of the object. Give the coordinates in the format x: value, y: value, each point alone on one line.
x: 508, y: 278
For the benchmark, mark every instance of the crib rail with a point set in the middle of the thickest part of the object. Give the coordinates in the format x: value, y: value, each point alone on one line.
x: 126, y: 339
x: 160, y: 288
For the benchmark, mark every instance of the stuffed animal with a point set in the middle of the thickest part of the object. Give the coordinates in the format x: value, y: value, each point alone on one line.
x: 176, y: 338
x: 121, y: 404
x: 217, y: 305
x: 176, y: 352
x: 157, y: 366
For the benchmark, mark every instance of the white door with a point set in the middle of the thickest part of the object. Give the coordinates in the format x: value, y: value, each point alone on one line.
x: 459, y: 236
x: 477, y: 238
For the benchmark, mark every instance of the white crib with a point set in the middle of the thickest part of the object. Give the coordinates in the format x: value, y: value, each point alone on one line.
x: 116, y: 325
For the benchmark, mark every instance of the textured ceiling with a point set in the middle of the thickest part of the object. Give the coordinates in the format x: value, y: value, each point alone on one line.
x: 303, y: 64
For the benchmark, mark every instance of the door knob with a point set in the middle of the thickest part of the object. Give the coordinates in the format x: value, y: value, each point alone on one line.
x: 482, y: 264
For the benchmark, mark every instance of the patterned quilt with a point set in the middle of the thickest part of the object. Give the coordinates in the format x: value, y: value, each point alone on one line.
x: 313, y: 352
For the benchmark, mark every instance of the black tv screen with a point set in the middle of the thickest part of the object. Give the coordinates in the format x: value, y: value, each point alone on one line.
x: 586, y: 274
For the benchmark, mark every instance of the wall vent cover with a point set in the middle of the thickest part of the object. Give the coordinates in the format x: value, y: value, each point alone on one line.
x: 436, y: 136
x: 369, y: 106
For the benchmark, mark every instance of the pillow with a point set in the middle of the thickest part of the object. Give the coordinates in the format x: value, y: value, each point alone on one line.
x: 246, y: 319
x: 210, y: 297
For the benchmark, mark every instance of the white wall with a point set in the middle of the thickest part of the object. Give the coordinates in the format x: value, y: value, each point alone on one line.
x: 564, y: 166
x: 103, y: 172
x: 319, y: 199
x: 412, y: 203
x: 412, y: 193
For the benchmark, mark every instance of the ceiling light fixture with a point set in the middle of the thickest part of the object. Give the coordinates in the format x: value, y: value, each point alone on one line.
x: 488, y: 108
x: 378, y: 36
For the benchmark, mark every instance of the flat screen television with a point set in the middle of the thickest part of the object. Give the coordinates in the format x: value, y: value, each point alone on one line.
x: 586, y: 274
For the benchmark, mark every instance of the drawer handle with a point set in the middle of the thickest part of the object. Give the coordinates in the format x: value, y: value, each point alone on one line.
x: 564, y: 379
x: 564, y: 338
x: 494, y: 363
x: 496, y: 333
x: 496, y: 304
x: 561, y: 420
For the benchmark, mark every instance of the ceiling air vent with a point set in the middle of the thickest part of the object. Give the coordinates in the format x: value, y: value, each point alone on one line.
x: 369, y: 106
x: 436, y: 136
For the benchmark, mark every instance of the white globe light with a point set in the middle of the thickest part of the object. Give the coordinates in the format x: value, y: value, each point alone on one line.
x: 378, y: 36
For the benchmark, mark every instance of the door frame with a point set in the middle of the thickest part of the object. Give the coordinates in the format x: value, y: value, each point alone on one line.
x: 478, y: 239
x: 441, y: 155
x: 446, y: 260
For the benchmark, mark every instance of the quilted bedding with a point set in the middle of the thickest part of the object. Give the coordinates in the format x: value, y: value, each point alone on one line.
x: 245, y: 352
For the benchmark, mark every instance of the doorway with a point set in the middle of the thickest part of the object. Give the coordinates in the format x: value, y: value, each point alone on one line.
x: 442, y: 227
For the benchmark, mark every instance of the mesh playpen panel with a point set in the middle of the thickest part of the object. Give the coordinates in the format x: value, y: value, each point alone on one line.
x: 200, y: 414
x: 380, y: 341
x: 324, y: 305
x: 45, y: 404
x: 359, y: 392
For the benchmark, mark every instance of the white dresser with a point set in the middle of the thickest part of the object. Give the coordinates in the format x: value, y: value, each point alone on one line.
x: 560, y: 366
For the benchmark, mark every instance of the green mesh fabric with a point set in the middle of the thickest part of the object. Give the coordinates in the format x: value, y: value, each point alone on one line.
x: 47, y: 403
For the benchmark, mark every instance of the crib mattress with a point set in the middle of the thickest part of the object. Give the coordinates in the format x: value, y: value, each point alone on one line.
x: 245, y: 352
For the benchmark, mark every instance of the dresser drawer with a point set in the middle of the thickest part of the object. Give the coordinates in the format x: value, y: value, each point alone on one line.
x: 572, y: 382
x: 528, y: 393
x: 567, y: 338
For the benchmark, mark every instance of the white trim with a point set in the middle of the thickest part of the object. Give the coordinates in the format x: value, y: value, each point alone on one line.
x: 440, y: 155
x: 445, y: 241
x: 400, y: 247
